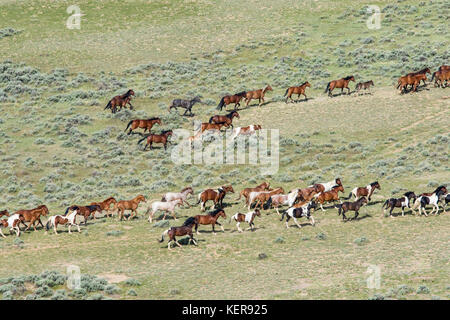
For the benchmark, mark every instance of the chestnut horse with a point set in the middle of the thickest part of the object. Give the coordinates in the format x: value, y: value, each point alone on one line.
x: 330, y: 196
x: 157, y: 138
x: 364, y: 85
x: 216, y: 196
x: 341, y: 83
x: 423, y: 71
x: 212, y: 126
x: 364, y: 191
x: 249, y: 130
x: 439, y: 77
x: 145, y: 124
x: 227, y: 119
x: 185, y: 229
x: 261, y: 197
x: 132, y: 205
x: 413, y: 80
x: 105, y: 205
x: 210, y: 218
x: 263, y: 186
x: 257, y: 94
x: 33, y: 216
x: 300, y: 90
x: 236, y: 98
x: 120, y: 101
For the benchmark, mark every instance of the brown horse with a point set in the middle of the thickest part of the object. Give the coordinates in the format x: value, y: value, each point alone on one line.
x: 439, y: 77
x: 216, y: 196
x: 210, y: 218
x: 306, y: 194
x: 364, y: 85
x: 157, y: 138
x: 330, y: 196
x: 341, y: 83
x: 145, y: 124
x: 351, y: 206
x: 227, y: 119
x: 261, y: 197
x: 84, y: 211
x: 120, y: 101
x: 413, y: 80
x: 424, y: 71
x: 444, y: 67
x: 105, y: 205
x: 236, y: 99
x: 263, y: 186
x: 365, y: 191
x: 132, y: 205
x: 4, y: 213
x: 185, y: 229
x: 257, y: 94
x: 33, y: 216
x: 300, y: 90
x: 212, y: 126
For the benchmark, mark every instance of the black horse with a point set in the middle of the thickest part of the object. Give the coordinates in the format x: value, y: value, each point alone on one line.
x: 186, y: 104
x: 409, y: 197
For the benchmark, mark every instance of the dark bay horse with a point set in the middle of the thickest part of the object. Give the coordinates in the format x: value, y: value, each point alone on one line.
x: 404, y: 202
x: 145, y: 124
x: 227, y: 119
x: 351, y: 206
x: 257, y: 94
x: 413, y: 80
x: 440, y: 77
x: 341, y: 83
x: 185, y: 104
x: 236, y: 99
x: 157, y: 138
x: 84, y: 211
x: 120, y: 101
x: 185, y: 229
x: 210, y: 218
x: 300, y: 90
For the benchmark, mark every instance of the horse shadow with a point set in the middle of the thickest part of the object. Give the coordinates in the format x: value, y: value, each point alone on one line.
x: 359, y: 218
x: 342, y: 94
x: 374, y: 203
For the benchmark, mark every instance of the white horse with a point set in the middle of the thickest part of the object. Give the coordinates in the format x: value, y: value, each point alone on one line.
x: 13, y: 224
x: 292, y: 197
x: 166, y: 206
x: 69, y: 219
x: 182, y: 195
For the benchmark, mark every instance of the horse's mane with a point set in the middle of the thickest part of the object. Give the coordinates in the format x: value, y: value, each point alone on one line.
x: 230, y: 114
x: 110, y: 198
x: 241, y: 93
x: 303, y: 83
x: 166, y: 131
x: 154, y: 118
x: 407, y: 194
x: 439, y: 188
x: 189, y: 221
x: 183, y: 190
x: 348, y: 78
x: 374, y: 183
x: 215, y: 212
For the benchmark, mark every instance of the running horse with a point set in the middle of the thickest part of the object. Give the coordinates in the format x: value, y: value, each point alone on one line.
x: 210, y: 218
x: 298, y: 212
x: 33, y: 216
x: 84, y: 211
x: 351, y: 206
x: 69, y: 219
x: 413, y: 80
x: 13, y: 223
x: 364, y: 191
x: 227, y: 119
x: 132, y: 205
x: 236, y: 99
x: 249, y: 217
x: 105, y: 205
x: 440, y: 77
x: 300, y: 90
x: 185, y: 229
x: 330, y: 196
x: 4, y: 213
x: 263, y: 186
x: 249, y: 130
x: 429, y: 199
x: 120, y: 101
x: 216, y: 196
x: 145, y: 124
x: 157, y: 138
x: 364, y: 85
x: 257, y: 94
x: 182, y: 195
x: 341, y: 83
x: 261, y: 197
x: 166, y: 206
x: 424, y: 71
x: 185, y: 104
x: 404, y: 202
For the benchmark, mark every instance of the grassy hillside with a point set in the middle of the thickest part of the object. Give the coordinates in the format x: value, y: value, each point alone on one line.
x: 59, y: 147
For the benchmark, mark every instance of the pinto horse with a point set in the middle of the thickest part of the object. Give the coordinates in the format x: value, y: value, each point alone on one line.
x: 132, y: 205
x: 327, y: 186
x: 4, y: 213
x: 145, y: 124
x: 58, y: 219
x: 298, y: 212
x: 13, y: 223
x: 257, y: 94
x: 341, y: 83
x: 353, y: 206
x: 185, y: 104
x: 210, y: 218
x: 263, y: 186
x: 157, y: 138
x: 105, y: 205
x: 216, y: 196
x: 249, y: 130
x: 236, y: 99
x: 300, y: 90
x: 330, y: 196
x: 185, y: 229
x: 33, y: 216
x: 248, y: 217
x: 84, y: 211
x: 429, y: 199
x: 227, y: 119
x: 364, y: 191
x: 120, y: 101
x: 166, y: 206
x: 403, y: 203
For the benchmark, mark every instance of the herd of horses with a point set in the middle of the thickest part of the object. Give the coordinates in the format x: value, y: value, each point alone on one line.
x: 300, y: 202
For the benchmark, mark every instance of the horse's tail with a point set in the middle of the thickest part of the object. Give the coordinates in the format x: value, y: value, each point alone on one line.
x: 164, y: 234
x: 139, y: 142
x: 48, y: 224
x: 328, y: 87
x: 108, y: 106
x: 287, y: 92
x: 221, y: 103
x: 349, y: 196
x: 210, y: 119
x: 129, y: 124
x: 385, y: 204
x: 434, y: 74
x: 267, y: 204
x: 283, y: 214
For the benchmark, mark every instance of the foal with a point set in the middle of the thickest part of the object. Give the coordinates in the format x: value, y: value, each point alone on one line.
x: 403, y: 203
x: 166, y: 206
x: 58, y: 219
x: 364, y: 85
x: 303, y: 211
x: 210, y: 218
x: 185, y: 229
x: 353, y: 206
x: 248, y: 217
x: 157, y: 138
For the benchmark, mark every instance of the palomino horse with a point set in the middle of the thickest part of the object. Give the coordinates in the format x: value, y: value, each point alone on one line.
x: 364, y: 85
x: 132, y: 205
x: 236, y: 99
x: 298, y: 212
x: 257, y: 94
x: 364, y: 191
x: 69, y: 219
x: 145, y: 124
x: 166, y: 206
x: 182, y: 195
x: 341, y: 83
x: 440, y: 77
x: 210, y: 218
x: 249, y: 130
x: 105, y: 205
x: 263, y: 186
x: 429, y: 199
x: 13, y: 223
x: 261, y: 197
x: 413, y: 80
x: 403, y: 203
x: 33, y: 216
x: 227, y: 119
x: 84, y: 211
x: 300, y: 90
x: 351, y: 206
x: 216, y: 196
x: 330, y: 196
x: 120, y: 101
x: 157, y: 138
x: 185, y: 229
x: 185, y: 104
x: 249, y: 217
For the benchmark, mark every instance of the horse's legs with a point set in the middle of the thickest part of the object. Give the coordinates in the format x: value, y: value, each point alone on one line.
x: 348, y: 88
x: 306, y: 98
x: 40, y: 222
x: 221, y: 226
x: 173, y: 215
x: 356, y: 214
x: 193, y: 240
x: 403, y: 211
x: 196, y: 229
x: 237, y: 225
x: 313, y: 222
x: 296, y: 222
x: 1, y: 233
x: 321, y: 207
x: 69, y: 227
x: 214, y: 231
